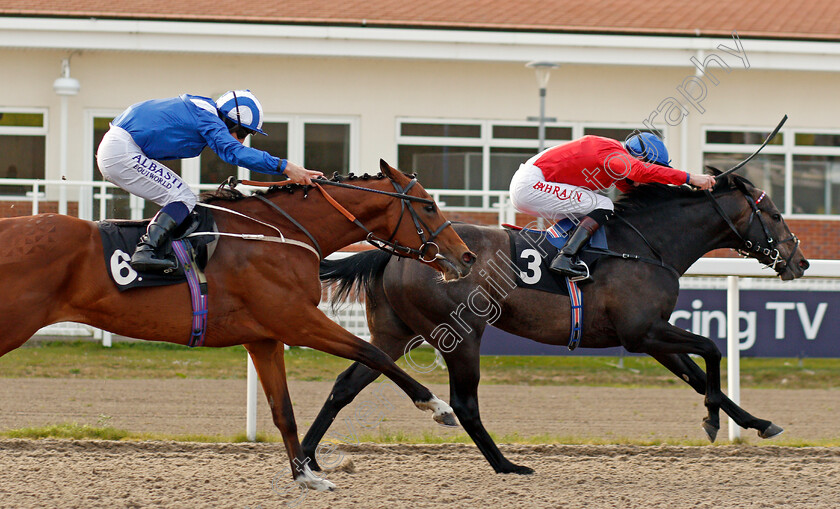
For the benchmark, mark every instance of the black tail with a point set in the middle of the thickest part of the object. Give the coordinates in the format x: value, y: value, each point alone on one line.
x: 353, y: 275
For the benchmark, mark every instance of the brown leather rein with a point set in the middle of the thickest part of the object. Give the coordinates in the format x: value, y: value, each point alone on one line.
x: 388, y: 245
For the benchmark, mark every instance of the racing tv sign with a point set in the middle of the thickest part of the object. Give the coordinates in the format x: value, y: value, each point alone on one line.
x: 771, y: 323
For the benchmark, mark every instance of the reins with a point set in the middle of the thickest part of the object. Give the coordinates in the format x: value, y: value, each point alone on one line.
x: 388, y: 245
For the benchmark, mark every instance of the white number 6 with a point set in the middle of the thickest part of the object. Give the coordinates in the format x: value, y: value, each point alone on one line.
x: 121, y: 271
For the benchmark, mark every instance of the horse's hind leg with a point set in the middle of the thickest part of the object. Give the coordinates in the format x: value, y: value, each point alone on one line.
x: 688, y: 371
x: 269, y: 361
x: 323, y: 334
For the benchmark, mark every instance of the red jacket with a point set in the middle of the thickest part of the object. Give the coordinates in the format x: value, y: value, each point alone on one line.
x: 595, y: 163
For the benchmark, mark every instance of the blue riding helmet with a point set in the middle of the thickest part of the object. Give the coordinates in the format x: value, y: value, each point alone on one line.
x: 242, y: 108
x: 648, y: 147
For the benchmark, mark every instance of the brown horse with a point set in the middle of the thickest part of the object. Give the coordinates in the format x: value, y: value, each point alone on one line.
x: 261, y: 294
x: 628, y: 304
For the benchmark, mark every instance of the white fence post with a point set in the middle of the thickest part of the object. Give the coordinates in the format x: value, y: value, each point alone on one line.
x: 733, y: 352
x: 251, y: 410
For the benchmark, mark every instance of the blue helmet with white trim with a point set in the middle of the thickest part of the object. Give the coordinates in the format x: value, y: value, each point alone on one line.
x: 648, y: 147
x: 241, y: 108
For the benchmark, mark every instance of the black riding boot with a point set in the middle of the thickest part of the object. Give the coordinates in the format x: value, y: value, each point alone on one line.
x: 144, y: 258
x: 566, y: 261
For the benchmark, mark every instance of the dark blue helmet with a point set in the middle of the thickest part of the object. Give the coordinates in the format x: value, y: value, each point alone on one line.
x: 648, y: 147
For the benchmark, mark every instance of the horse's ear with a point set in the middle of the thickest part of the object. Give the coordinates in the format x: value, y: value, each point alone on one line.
x: 386, y: 169
x: 711, y: 170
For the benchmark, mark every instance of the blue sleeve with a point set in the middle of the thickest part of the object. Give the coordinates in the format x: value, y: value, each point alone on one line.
x: 220, y: 141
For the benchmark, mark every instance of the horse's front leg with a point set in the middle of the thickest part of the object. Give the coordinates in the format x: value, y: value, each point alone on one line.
x: 269, y: 361
x: 664, y: 338
x: 688, y: 371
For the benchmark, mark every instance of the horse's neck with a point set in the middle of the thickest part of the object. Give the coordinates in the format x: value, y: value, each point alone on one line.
x: 326, y: 223
x: 681, y: 238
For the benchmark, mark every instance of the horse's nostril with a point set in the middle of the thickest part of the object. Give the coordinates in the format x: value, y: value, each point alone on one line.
x: 804, y: 264
x: 468, y: 257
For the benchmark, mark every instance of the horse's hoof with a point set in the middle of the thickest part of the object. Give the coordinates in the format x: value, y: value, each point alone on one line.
x: 771, y: 431
x: 517, y: 469
x: 446, y: 419
x: 711, y: 431
x: 442, y: 413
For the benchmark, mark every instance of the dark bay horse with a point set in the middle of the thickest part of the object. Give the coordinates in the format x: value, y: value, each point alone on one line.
x: 261, y: 294
x: 628, y: 304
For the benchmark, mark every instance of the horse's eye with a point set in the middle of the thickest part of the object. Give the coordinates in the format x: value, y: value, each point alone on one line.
x: 429, y: 208
x: 776, y: 217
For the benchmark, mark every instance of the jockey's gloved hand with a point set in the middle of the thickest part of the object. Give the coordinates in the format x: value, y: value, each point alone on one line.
x: 300, y: 175
x: 701, y: 181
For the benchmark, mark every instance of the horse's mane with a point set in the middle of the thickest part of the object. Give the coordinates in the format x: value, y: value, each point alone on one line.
x: 224, y: 193
x: 646, y: 196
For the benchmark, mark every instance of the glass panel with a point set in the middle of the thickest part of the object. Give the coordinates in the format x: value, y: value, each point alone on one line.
x: 276, y: 144
x: 524, y: 132
x: 213, y: 169
x: 503, y: 164
x: 766, y: 171
x: 326, y: 147
x: 818, y: 140
x: 443, y: 130
x: 445, y: 168
x: 742, y: 137
x: 21, y: 157
x: 816, y: 185
x: 22, y: 119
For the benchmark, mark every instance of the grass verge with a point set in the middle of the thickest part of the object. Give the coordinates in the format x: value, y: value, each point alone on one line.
x: 147, y: 360
x: 73, y: 431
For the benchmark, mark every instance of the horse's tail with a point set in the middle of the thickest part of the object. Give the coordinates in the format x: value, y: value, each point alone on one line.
x: 353, y: 275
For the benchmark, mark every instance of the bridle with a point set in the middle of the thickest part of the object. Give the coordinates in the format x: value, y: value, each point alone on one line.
x: 389, y: 245
x: 749, y: 248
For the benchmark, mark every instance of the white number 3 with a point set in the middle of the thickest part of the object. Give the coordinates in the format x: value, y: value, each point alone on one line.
x: 533, y: 267
x: 121, y: 271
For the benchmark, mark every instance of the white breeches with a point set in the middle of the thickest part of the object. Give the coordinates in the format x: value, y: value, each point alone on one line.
x: 531, y: 194
x: 123, y: 163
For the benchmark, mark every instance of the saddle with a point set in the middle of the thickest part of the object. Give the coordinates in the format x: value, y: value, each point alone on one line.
x: 532, y: 251
x: 120, y: 238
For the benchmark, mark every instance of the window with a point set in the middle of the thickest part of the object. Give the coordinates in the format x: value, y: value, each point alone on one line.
x: 325, y: 145
x: 22, y: 148
x: 799, y: 169
x: 469, y: 155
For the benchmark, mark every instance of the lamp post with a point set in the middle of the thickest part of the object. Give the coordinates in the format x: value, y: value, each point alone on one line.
x: 543, y: 70
x: 64, y: 86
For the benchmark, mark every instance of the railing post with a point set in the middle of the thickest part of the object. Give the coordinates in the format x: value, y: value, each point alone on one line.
x: 251, y: 402
x: 733, y: 350
x: 35, y: 188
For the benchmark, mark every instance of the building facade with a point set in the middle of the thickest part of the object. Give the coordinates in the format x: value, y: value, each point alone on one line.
x: 445, y: 98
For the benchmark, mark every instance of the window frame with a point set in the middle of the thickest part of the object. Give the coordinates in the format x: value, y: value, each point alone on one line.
x: 296, y: 142
x: 27, y: 131
x: 485, y: 142
x: 788, y: 149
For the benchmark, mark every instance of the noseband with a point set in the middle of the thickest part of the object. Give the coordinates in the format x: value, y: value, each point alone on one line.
x: 753, y: 249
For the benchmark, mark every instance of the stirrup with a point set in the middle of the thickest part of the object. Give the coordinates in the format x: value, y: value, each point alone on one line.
x: 575, y: 279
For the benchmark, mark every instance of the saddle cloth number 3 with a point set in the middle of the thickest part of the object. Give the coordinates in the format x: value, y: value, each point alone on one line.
x: 121, y: 271
x: 534, y: 272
